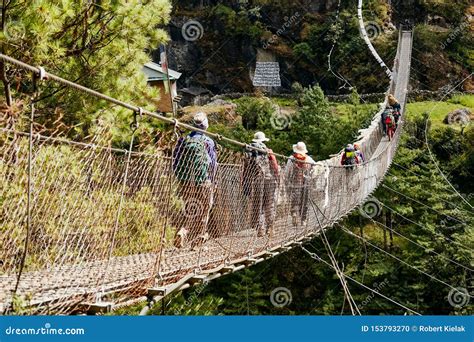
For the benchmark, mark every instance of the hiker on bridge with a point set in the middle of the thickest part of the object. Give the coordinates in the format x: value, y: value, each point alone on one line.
x: 195, y: 166
x: 395, y: 104
x: 388, y: 111
x: 390, y: 124
x: 359, y: 154
x: 298, y: 175
x: 349, y: 157
x: 260, y: 180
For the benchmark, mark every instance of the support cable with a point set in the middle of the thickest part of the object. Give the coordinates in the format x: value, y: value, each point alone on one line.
x: 318, y: 258
x: 29, y: 184
x: 337, y: 75
x: 344, y: 229
x: 431, y: 153
x: 352, y: 304
x: 422, y: 226
x: 416, y: 243
x: 422, y: 204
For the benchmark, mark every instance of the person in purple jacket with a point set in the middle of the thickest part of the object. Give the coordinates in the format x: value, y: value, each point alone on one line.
x: 195, y: 166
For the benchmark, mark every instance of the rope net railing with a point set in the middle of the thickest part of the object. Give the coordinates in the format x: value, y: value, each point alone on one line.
x: 82, y: 222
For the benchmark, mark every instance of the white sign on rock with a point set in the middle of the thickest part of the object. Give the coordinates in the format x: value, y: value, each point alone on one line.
x: 267, y: 74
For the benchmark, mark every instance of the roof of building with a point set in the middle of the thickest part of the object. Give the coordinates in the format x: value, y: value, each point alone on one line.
x: 154, y: 72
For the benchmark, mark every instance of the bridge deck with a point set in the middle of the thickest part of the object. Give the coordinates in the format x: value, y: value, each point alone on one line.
x: 335, y: 190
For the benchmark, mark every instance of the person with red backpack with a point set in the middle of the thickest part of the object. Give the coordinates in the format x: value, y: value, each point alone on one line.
x: 298, y: 173
x: 260, y: 180
x: 195, y: 166
x: 391, y: 125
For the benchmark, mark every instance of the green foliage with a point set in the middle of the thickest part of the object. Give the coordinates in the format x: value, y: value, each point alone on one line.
x: 428, y: 221
x: 314, y: 121
x: 324, y: 129
x: 438, y: 110
x: 427, y: 40
x: 464, y: 100
x: 303, y: 50
x: 101, y: 45
x: 254, y: 111
x: 453, y: 11
x: 238, y: 23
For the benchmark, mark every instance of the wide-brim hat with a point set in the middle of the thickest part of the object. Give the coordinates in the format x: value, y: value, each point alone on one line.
x: 300, y: 148
x: 200, y: 120
x: 259, y: 137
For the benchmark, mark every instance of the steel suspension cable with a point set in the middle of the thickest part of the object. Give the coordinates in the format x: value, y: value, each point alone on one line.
x: 425, y: 192
x: 422, y: 204
x: 431, y: 153
x: 29, y: 185
x: 416, y: 243
x: 344, y: 229
x: 318, y: 258
x: 421, y: 226
x: 352, y: 304
x: 338, y: 75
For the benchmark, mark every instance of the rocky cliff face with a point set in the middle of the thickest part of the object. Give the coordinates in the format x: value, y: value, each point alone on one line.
x: 214, y: 43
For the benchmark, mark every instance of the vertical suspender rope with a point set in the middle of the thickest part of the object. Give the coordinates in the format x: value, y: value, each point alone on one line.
x: 168, y: 208
x: 134, y: 127
x: 337, y: 75
x: 29, y: 185
x: 368, y: 42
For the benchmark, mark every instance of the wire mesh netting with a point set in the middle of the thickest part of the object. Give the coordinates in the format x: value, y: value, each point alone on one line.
x: 106, y: 224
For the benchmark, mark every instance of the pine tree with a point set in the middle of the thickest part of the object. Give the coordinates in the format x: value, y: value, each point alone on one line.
x: 99, y: 44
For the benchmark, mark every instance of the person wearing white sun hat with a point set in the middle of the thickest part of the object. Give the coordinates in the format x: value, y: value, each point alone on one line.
x: 259, y: 181
x: 259, y: 137
x: 298, y: 171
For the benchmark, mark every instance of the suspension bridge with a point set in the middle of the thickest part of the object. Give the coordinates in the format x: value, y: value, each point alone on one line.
x: 88, y: 228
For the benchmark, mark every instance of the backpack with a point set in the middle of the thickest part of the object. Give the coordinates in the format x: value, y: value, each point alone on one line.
x: 389, y: 120
x: 258, y: 163
x: 192, y: 160
x: 299, y: 168
x: 350, y: 158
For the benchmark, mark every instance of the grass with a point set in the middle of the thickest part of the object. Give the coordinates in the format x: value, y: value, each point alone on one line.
x: 439, y: 109
x: 346, y: 111
x: 465, y: 100
x: 285, y: 102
